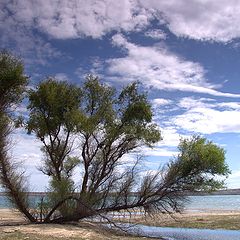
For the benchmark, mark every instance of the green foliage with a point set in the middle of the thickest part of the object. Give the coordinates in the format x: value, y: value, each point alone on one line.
x: 96, y: 106
x: 135, y: 108
x: 12, y: 80
x: 129, y: 114
x: 60, y: 190
x: 136, y: 115
x: 198, y: 164
x: 53, y: 105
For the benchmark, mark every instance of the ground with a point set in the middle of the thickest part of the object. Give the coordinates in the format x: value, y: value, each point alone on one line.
x: 14, y: 227
x: 211, y: 220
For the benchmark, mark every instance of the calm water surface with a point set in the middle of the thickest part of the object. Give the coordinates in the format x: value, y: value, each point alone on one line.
x: 188, y: 234
x: 196, y: 203
x: 214, y: 202
x: 4, y: 203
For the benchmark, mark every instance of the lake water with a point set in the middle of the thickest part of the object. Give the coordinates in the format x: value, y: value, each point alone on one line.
x: 214, y: 202
x: 187, y: 234
x: 196, y: 203
x: 4, y: 203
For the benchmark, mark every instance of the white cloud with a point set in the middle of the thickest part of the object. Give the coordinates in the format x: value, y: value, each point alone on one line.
x: 206, y: 117
x: 26, y: 148
x: 200, y: 20
x: 61, y: 77
x: 158, y: 152
x: 190, y: 102
x: 161, y: 102
x: 233, y: 180
x: 156, y: 34
x: 171, y: 137
x: 161, y: 69
x: 230, y: 105
x: 74, y: 19
x: 16, y: 31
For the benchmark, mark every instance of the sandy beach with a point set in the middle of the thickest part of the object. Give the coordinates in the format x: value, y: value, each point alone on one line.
x: 12, y: 224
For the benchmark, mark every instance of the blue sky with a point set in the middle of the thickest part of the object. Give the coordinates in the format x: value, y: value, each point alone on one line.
x: 186, y: 54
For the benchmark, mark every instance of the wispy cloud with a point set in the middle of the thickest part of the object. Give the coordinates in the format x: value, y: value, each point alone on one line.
x: 161, y: 69
x: 160, y: 102
x: 207, y: 116
x: 61, y: 77
x: 31, y: 156
x: 233, y: 179
x: 156, y: 34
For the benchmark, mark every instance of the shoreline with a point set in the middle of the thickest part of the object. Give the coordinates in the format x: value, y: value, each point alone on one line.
x: 214, y: 219
x: 13, y: 225
x: 226, y: 219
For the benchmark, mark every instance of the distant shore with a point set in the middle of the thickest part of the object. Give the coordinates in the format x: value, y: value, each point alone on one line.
x: 219, y: 192
x: 200, y: 193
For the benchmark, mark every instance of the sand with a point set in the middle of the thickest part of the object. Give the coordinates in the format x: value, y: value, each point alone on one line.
x: 12, y: 221
x: 12, y: 224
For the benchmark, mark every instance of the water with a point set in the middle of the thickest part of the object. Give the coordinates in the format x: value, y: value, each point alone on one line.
x: 4, y: 203
x: 214, y: 202
x: 197, y: 203
x: 34, y: 200
x: 187, y: 233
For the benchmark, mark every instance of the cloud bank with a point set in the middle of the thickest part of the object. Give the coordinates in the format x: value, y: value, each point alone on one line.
x: 200, y: 20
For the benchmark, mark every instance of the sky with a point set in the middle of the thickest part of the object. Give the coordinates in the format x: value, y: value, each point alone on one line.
x: 185, y: 53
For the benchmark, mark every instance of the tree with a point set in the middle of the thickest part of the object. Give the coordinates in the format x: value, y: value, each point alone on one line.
x: 89, y: 130
x: 12, y: 85
x: 105, y: 125
x: 54, y: 115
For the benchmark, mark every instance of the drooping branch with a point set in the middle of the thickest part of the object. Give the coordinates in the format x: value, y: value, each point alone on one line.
x: 12, y: 86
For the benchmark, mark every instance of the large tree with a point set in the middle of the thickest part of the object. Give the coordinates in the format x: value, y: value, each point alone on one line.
x: 103, y: 126
x: 89, y: 130
x: 54, y: 115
